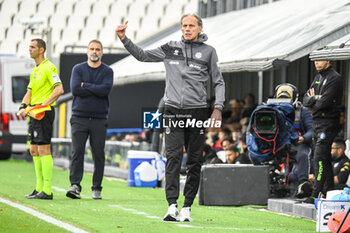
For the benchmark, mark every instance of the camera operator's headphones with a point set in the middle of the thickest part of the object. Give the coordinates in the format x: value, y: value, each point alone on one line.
x: 287, y: 90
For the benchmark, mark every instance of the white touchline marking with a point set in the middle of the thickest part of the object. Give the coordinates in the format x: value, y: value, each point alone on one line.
x: 135, y: 211
x: 187, y: 225
x: 176, y: 223
x: 143, y: 213
x: 44, y: 217
x: 224, y: 228
x: 153, y: 217
x: 58, y: 189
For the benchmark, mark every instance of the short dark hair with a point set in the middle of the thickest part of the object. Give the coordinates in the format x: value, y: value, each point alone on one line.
x: 229, y: 139
x: 339, y: 142
x: 199, y: 19
x: 252, y: 96
x: 243, y: 138
x: 226, y: 131
x: 233, y: 148
x: 96, y: 41
x: 41, y: 43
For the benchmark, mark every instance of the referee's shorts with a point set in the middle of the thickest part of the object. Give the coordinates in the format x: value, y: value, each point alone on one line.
x: 41, y: 131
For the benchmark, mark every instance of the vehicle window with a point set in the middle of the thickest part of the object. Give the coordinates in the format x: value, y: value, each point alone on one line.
x: 19, y: 87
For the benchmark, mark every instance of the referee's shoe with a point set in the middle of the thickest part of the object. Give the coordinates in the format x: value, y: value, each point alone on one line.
x: 42, y: 195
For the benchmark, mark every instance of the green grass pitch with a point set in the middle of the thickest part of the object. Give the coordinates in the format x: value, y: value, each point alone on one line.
x: 123, y: 208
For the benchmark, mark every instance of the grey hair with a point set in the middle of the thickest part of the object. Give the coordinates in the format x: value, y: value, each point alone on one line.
x: 199, y: 19
x: 96, y: 41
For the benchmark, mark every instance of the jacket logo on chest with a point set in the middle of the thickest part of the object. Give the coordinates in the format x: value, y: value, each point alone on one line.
x: 198, y: 55
x: 176, y: 52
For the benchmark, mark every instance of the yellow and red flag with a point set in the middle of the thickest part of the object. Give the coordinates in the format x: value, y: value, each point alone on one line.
x: 38, y: 111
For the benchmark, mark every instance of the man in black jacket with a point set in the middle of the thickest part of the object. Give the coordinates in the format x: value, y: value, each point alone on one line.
x: 324, y: 101
x: 341, y: 163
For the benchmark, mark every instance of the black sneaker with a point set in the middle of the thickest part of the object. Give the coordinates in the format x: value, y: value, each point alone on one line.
x: 73, y: 192
x: 96, y: 194
x: 42, y: 196
x: 304, y: 190
x: 29, y: 196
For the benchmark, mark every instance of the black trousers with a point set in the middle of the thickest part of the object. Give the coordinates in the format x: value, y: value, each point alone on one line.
x: 81, y: 129
x: 300, y: 170
x: 324, y: 134
x: 176, y: 140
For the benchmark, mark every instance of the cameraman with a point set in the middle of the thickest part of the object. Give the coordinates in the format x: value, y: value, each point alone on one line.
x: 303, y: 126
x: 324, y: 99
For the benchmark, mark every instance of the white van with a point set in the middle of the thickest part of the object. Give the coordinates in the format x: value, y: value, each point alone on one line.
x: 14, y: 79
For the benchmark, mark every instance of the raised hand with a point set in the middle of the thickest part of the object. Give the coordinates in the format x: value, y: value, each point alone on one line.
x: 121, y: 30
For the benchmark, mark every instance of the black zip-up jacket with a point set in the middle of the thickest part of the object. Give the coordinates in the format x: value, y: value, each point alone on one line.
x: 341, y: 168
x: 329, y: 85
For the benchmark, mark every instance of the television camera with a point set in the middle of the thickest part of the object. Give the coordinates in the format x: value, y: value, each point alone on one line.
x: 270, y: 139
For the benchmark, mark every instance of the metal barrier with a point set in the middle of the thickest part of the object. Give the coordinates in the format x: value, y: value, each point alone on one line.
x: 116, y: 152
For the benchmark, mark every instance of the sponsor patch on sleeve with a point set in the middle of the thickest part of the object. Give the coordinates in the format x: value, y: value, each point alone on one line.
x: 56, y: 78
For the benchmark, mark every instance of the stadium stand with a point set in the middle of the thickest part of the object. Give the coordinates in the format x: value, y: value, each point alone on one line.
x: 86, y: 36
x: 173, y: 6
x: 83, y: 8
x: 8, y: 46
x: 58, y: 47
x: 101, y: 8
x: 94, y: 22
x: 6, y: 20
x: 9, y: 7
x: 27, y: 8
x: 15, y: 33
x: 2, y: 33
x: 119, y: 8
x: 46, y: 7
x: 23, y: 48
x: 73, y: 22
x: 108, y: 36
x: 70, y: 36
x: 77, y: 21
x: 65, y: 7
x: 113, y: 19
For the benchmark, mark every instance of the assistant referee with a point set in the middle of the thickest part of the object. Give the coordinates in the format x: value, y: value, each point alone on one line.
x: 44, y: 88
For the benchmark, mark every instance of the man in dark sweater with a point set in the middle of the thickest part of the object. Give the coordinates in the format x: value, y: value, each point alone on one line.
x: 324, y: 101
x: 91, y: 82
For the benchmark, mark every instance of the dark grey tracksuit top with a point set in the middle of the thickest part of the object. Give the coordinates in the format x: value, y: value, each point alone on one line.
x: 188, y: 65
